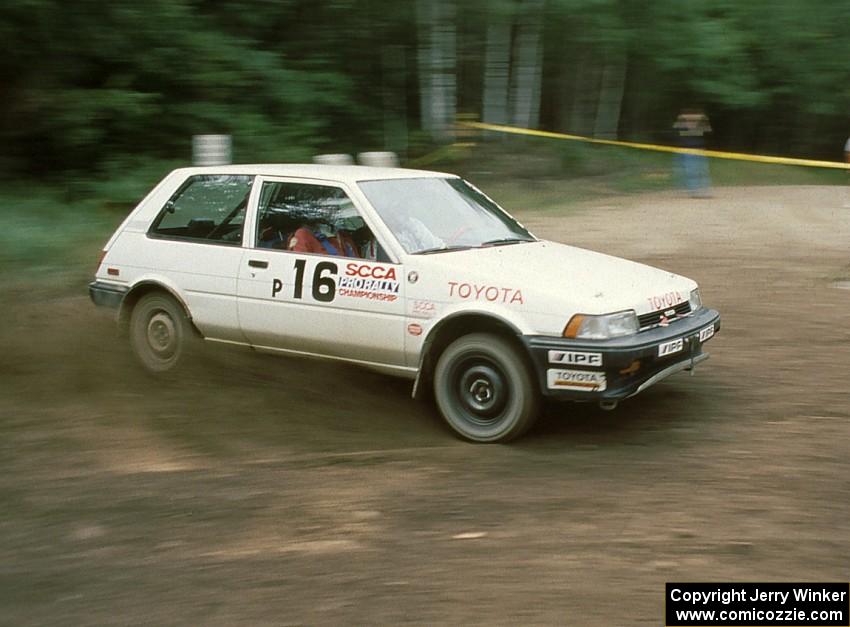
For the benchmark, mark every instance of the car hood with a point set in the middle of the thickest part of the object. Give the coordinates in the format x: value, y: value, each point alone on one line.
x: 553, y: 275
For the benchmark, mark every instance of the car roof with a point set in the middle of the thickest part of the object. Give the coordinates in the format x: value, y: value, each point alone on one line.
x: 339, y: 173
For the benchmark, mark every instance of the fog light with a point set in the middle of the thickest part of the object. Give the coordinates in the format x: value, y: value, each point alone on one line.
x: 633, y: 368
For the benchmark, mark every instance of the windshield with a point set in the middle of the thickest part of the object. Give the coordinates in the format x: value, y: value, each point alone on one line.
x: 434, y: 215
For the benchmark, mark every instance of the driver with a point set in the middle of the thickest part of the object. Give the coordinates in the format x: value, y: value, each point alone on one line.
x: 323, y: 240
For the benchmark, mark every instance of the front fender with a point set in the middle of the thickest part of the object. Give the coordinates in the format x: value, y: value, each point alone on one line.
x: 453, y: 324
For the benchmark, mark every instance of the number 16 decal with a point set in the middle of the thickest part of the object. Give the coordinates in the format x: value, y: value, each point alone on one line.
x: 324, y: 286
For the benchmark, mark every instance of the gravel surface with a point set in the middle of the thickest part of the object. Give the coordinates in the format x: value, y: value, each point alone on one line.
x: 262, y: 490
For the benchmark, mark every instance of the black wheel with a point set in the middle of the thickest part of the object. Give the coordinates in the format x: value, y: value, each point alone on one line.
x: 484, y: 389
x: 159, y: 333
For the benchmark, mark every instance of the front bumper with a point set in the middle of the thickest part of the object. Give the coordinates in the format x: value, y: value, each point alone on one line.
x: 107, y: 294
x: 622, y: 367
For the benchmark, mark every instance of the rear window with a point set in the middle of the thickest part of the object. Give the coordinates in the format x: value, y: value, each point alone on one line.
x: 209, y: 208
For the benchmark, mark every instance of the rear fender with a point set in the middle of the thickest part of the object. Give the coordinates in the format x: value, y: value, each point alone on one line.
x: 146, y: 285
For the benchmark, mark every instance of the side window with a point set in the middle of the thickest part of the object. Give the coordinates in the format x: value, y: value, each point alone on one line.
x: 208, y: 208
x: 318, y: 219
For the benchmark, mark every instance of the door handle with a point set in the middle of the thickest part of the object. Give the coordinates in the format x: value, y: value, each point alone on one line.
x: 257, y: 263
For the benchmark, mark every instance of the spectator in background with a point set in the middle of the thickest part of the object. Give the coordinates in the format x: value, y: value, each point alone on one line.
x: 691, y: 127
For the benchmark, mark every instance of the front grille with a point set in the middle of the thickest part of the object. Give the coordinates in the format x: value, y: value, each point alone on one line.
x: 649, y: 320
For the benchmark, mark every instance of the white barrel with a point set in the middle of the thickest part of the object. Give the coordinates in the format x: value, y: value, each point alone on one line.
x: 383, y: 159
x: 211, y: 150
x: 334, y: 159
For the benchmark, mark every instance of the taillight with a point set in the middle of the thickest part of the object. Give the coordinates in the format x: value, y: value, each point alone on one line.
x: 100, y: 260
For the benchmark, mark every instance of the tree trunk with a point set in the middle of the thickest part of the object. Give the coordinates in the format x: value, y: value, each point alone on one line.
x: 610, y: 96
x: 528, y: 65
x: 563, y: 86
x: 437, y: 64
x: 497, y: 69
x: 425, y: 26
x: 446, y: 75
x: 394, y: 85
x: 583, y: 110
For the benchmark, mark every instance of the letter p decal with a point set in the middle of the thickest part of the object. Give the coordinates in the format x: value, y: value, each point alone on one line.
x: 277, y: 285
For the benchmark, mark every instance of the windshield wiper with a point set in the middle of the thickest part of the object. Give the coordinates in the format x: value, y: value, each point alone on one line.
x: 506, y: 240
x: 440, y: 249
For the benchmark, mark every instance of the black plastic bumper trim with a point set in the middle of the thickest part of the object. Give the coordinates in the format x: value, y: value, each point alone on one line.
x: 106, y: 294
x: 620, y: 354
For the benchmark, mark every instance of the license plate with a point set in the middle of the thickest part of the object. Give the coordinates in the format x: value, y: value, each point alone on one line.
x: 706, y: 333
x: 668, y: 348
x: 581, y: 380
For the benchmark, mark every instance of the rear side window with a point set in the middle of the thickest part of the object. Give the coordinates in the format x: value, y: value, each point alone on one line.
x: 209, y: 208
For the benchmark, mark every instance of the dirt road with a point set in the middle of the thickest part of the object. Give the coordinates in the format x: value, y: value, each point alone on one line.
x: 259, y: 490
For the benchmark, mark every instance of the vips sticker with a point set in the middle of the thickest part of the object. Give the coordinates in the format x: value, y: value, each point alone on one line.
x: 668, y: 348
x: 581, y: 380
x: 373, y: 282
x: 575, y: 358
x: 422, y: 308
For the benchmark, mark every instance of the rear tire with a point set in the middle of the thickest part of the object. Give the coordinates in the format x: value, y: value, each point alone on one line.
x: 485, y: 390
x: 160, y: 333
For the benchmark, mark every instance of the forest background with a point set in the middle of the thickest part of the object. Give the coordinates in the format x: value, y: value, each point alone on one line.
x: 109, y: 91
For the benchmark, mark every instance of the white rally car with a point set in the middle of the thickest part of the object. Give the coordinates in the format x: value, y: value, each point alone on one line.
x: 415, y: 273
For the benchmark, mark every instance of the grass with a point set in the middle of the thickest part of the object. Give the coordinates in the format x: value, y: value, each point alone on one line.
x: 55, y: 229
x: 46, y: 231
x: 50, y: 246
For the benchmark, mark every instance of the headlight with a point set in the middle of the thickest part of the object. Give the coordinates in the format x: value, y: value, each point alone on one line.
x: 587, y: 327
x: 695, y: 300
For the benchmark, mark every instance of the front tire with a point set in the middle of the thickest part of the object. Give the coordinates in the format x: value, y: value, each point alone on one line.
x: 484, y: 389
x: 160, y: 333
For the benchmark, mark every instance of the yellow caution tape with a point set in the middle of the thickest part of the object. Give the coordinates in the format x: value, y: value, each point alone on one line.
x: 717, y: 154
